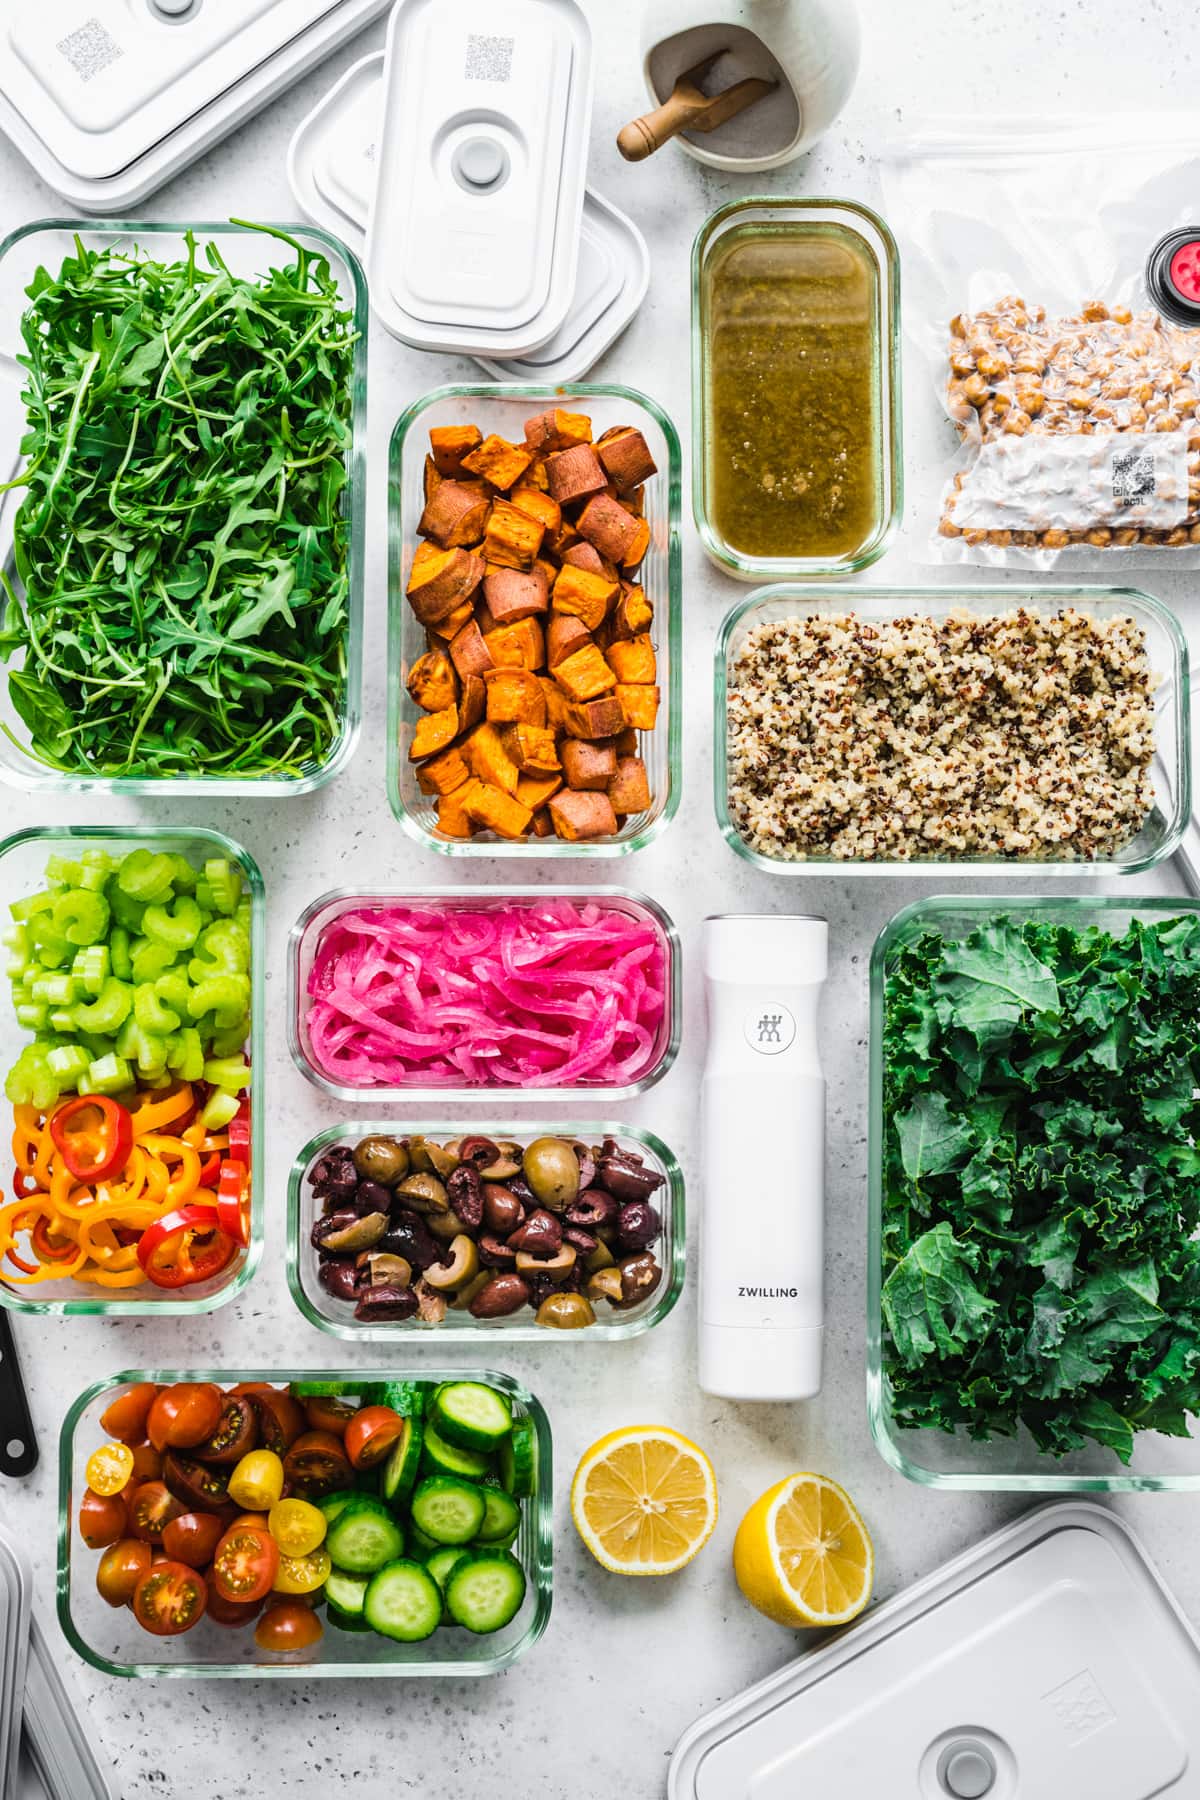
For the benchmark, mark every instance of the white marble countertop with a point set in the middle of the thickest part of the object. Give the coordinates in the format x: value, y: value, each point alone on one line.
x: 596, y: 1708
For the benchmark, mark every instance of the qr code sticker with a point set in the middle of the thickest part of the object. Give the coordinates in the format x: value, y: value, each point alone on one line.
x: 488, y: 58
x: 1133, y: 477
x: 89, y: 49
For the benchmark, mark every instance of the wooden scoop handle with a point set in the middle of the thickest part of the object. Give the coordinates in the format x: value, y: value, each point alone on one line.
x: 642, y: 137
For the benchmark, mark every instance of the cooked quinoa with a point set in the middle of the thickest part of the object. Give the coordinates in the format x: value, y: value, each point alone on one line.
x: 1013, y: 735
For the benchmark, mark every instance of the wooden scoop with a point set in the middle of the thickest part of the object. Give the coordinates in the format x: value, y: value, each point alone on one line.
x: 689, y: 108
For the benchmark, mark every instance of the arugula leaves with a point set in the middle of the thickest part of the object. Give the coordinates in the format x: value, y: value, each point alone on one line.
x: 1041, y: 1193
x: 183, y: 547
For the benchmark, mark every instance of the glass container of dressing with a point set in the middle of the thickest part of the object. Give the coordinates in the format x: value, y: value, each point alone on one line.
x: 797, y: 470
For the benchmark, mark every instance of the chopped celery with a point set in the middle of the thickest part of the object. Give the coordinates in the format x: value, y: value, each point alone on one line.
x: 177, y: 927
x: 91, y: 968
x: 118, y: 950
x: 126, y: 911
x: 227, y: 997
x: 151, y: 1014
x: 150, y: 960
x: 81, y: 917
x: 109, y: 1011
x: 69, y: 1063
x: 95, y: 867
x: 55, y: 990
x: 221, y: 1107
x: 185, y: 1054
x: 109, y: 1075
x: 224, y: 883
x: 63, y: 872
x: 31, y: 1081
x: 146, y: 875
x: 232, y: 1072
x: 32, y: 1015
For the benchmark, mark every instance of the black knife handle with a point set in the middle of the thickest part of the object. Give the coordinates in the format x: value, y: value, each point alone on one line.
x: 18, y: 1445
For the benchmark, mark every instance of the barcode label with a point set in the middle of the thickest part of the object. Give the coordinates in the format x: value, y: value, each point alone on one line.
x: 89, y: 49
x: 1133, y: 478
x: 489, y: 58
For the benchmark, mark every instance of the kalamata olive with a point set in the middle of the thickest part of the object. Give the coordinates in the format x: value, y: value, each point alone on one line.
x: 507, y: 1163
x: 334, y: 1173
x: 423, y: 1193
x: 372, y: 1196
x: 494, y: 1253
x: 503, y: 1294
x: 386, y: 1303
x: 408, y: 1236
x: 540, y: 1235
x: 478, y: 1151
x: 502, y: 1211
x: 583, y: 1242
x: 557, y: 1267
x: 330, y: 1224
x: 539, y: 1286
x: 381, y: 1159
x: 605, y: 1284
x: 339, y: 1277
x: 565, y: 1312
x: 461, y: 1267
x: 638, y: 1224
x: 521, y: 1190
x: 465, y: 1189
x: 593, y: 1209
x: 623, y: 1174
x: 587, y: 1166
x: 640, y: 1275
x: 552, y: 1170
x: 385, y: 1269
x: 359, y: 1234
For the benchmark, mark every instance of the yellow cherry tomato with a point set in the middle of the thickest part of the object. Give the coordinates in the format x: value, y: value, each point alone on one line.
x: 302, y: 1574
x: 297, y: 1526
x: 257, y: 1482
x: 109, y: 1468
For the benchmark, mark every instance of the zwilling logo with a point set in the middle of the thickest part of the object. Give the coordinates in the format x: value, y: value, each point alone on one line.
x: 761, y: 1293
x: 1079, y: 1706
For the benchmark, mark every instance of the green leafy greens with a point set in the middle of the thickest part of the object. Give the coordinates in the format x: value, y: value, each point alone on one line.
x: 183, y: 547
x: 1041, y: 1193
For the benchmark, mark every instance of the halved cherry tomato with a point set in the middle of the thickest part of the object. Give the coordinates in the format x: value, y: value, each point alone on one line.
x: 230, y: 1612
x: 245, y: 1563
x: 170, y: 1598
x: 280, y: 1418
x: 121, y: 1568
x: 371, y: 1434
x: 151, y: 1507
x: 109, y: 1469
x: 200, y: 1487
x: 257, y: 1482
x: 297, y: 1527
x: 185, y: 1247
x: 317, y: 1463
x: 324, y: 1412
x: 184, y: 1414
x: 147, y: 1464
x: 288, y: 1626
x: 233, y: 1200
x: 193, y: 1537
x: 258, y: 1520
x: 303, y: 1574
x: 125, y: 1417
x: 94, y: 1135
x: 236, y: 1432
x: 103, y: 1518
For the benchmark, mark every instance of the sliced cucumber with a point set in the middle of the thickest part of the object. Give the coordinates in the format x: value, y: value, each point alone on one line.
x: 318, y: 1390
x: 408, y: 1398
x: 447, y: 1509
x: 501, y: 1517
x: 440, y: 1565
x: 364, y: 1537
x: 419, y: 1545
x: 472, y: 1415
x: 403, y: 1602
x: 518, y: 1460
x: 485, y: 1590
x: 400, y: 1470
x: 334, y: 1504
x: 503, y: 1543
x: 345, y: 1621
x: 347, y: 1596
x: 449, y: 1459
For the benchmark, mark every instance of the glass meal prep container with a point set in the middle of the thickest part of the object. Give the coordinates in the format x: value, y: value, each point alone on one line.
x: 504, y: 409
x: 23, y: 859
x: 941, y: 1459
x: 247, y: 252
x: 752, y: 327
x: 336, y: 1316
x: 306, y: 934
x: 111, y: 1640
x: 1167, y: 652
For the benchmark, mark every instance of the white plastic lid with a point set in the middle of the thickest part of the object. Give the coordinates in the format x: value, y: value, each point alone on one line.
x: 15, y: 1588
x: 332, y: 165
x: 474, y: 225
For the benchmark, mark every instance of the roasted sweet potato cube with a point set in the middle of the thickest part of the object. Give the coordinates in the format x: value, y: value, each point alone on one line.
x: 632, y: 613
x: 519, y: 646
x: 556, y: 703
x: 487, y: 758
x: 629, y: 789
x: 601, y: 718
x: 584, y: 674
x: 543, y: 824
x: 635, y: 501
x: 440, y: 580
x: 582, y: 594
x: 514, y: 696
x: 637, y: 550
x: 513, y: 538
x: 470, y: 651
x: 533, y: 748
x: 548, y: 566
x: 450, y: 443
x: 537, y: 504
x: 574, y: 474
x: 582, y: 815
x: 452, y: 624
x: 454, y: 514
x: 498, y: 462
x: 432, y: 683
x: 588, y: 765
x: 640, y: 703
x: 633, y: 659
x: 473, y: 703
x: 443, y: 773
x: 564, y: 635
x: 451, y: 817
x: 534, y: 790
x: 513, y: 594
x: 431, y: 480
x: 535, y: 475
x: 433, y: 732
x: 605, y: 523
x: 557, y: 430
x: 586, y: 556
x: 626, y: 742
x: 625, y: 457
x: 497, y: 811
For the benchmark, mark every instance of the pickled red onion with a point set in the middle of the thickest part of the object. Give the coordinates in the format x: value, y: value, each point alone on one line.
x: 488, y: 994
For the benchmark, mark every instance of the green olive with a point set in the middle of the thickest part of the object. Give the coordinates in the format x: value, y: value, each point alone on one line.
x: 552, y: 1171
x: 423, y: 1193
x: 381, y: 1159
x: 463, y: 1266
x: 565, y: 1312
x: 433, y: 1158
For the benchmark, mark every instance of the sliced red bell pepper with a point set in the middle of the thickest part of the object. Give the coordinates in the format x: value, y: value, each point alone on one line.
x: 210, y: 1173
x: 93, y: 1134
x: 239, y: 1134
x: 184, y: 1247
x: 233, y: 1200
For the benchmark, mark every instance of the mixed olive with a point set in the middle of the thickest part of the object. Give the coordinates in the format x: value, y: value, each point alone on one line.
x: 412, y: 1227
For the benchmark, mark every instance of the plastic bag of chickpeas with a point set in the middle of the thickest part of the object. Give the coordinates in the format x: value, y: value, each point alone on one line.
x: 1052, y: 318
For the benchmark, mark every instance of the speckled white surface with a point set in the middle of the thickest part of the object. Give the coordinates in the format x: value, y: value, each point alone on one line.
x: 625, y: 1667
